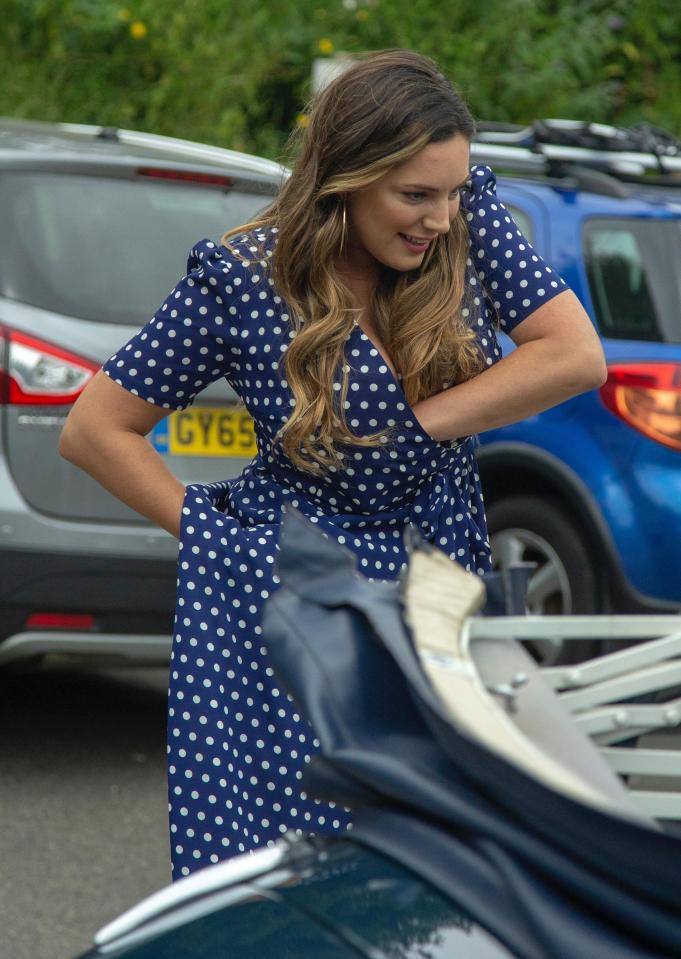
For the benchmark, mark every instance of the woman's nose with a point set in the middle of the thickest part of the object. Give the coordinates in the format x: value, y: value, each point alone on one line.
x: 438, y: 217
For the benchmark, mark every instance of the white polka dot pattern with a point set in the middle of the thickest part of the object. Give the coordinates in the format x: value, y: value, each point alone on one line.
x: 236, y: 746
x: 514, y: 279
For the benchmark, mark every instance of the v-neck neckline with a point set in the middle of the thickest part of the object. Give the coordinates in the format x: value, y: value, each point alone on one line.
x: 390, y: 372
x: 392, y: 369
x: 410, y: 420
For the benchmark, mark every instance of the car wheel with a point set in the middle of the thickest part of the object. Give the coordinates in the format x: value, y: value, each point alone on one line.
x: 532, y: 529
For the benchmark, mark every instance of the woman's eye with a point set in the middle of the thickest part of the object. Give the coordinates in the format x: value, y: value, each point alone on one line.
x: 417, y: 197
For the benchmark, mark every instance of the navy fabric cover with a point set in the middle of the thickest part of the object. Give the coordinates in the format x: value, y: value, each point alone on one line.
x: 550, y: 877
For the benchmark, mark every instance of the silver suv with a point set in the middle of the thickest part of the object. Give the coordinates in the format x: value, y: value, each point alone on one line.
x: 96, y: 227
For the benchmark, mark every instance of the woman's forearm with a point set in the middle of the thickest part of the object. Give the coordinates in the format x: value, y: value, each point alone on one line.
x: 126, y: 464
x: 534, y: 377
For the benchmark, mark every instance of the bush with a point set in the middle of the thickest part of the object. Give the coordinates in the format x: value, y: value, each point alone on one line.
x: 237, y: 74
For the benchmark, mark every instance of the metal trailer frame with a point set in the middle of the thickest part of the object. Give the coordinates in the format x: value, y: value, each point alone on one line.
x: 617, y: 697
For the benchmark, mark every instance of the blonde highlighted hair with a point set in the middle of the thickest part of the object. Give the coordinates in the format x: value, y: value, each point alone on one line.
x: 384, y: 109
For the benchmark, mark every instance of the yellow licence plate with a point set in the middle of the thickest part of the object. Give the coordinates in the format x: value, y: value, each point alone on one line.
x: 211, y: 431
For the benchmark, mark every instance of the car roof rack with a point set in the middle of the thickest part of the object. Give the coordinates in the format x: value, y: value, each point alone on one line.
x: 590, y: 156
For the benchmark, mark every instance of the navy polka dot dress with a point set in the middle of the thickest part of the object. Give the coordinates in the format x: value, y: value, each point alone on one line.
x: 236, y: 745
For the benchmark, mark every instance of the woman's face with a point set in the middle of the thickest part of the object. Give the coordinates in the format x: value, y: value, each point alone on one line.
x: 394, y: 220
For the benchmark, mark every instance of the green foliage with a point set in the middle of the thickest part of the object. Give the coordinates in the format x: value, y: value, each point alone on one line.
x: 237, y: 73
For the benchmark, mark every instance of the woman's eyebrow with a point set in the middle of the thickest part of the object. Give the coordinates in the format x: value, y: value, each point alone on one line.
x: 430, y: 189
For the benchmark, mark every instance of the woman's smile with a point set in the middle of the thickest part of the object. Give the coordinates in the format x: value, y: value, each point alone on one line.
x: 414, y: 244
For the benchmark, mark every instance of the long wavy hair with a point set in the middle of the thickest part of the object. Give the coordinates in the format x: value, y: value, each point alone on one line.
x: 382, y: 110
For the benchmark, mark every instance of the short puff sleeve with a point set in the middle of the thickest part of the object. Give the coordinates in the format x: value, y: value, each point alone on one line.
x: 189, y: 342
x: 515, y: 279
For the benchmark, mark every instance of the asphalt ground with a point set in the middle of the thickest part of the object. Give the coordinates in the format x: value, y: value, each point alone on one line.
x: 83, y: 831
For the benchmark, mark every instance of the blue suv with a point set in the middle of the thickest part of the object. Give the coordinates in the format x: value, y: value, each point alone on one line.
x: 591, y: 490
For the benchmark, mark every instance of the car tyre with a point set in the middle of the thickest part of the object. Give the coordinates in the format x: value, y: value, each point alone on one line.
x: 566, y: 581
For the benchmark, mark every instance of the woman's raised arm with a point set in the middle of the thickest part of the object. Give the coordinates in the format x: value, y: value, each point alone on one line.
x: 558, y: 356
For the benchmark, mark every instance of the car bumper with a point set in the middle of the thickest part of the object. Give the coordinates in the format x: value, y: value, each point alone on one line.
x: 130, y: 603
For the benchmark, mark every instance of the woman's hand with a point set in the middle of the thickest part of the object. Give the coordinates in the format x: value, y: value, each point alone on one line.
x: 105, y: 435
x: 558, y: 356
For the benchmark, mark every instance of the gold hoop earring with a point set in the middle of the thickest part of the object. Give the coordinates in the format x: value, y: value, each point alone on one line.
x: 344, y: 229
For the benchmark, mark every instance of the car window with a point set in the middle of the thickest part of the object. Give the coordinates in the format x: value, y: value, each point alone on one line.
x: 622, y: 272
x: 107, y: 249
x: 522, y: 219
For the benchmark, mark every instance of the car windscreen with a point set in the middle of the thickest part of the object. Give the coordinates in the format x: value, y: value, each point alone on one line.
x: 107, y: 248
x: 633, y: 268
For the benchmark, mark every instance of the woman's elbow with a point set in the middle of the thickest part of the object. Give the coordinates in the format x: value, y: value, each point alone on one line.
x: 584, y: 373
x: 73, y: 442
x: 595, y: 370
x: 68, y: 444
x: 585, y: 366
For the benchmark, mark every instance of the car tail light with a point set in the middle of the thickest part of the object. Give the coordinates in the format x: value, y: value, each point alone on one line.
x: 38, y: 373
x: 187, y: 176
x: 60, y: 621
x: 648, y: 397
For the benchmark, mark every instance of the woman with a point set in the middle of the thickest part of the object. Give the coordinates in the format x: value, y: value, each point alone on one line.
x: 356, y: 319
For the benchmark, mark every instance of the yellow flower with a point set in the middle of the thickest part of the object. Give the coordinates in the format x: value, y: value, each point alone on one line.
x: 631, y: 52
x: 302, y: 120
x: 325, y: 45
x: 138, y: 30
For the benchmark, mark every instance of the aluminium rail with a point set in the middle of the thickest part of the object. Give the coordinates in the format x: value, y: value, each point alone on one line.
x: 617, y: 697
